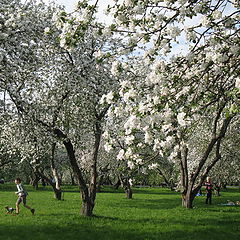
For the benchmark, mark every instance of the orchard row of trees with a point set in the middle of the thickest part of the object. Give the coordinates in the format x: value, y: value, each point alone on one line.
x: 118, y: 101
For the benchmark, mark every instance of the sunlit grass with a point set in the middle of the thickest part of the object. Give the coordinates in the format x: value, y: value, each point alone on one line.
x: 153, y: 213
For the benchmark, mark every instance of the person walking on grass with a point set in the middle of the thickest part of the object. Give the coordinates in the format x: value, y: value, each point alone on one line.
x: 209, y: 189
x: 22, y: 196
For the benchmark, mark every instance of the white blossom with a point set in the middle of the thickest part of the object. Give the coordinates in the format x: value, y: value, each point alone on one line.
x: 182, y: 92
x: 142, y: 108
x: 148, y: 138
x: 108, y: 147
x: 124, y: 84
x: 174, y: 31
x: 205, y: 21
x: 131, y: 123
x: 153, y: 166
x: 139, y: 161
x: 217, y: 14
x: 129, y: 153
x: 167, y: 127
x: 63, y: 42
x: 180, y: 118
x: 46, y: 30
x: 99, y: 54
x: 129, y: 95
x: 121, y: 154
x: 237, y: 83
x: 156, y: 145
x: 109, y: 97
x: 115, y: 68
x: 169, y: 141
x: 129, y: 139
x: 144, y: 170
x: 130, y: 164
x: 156, y: 100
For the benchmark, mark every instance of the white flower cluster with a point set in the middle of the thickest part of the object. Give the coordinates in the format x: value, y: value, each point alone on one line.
x: 181, y: 119
x: 129, y: 95
x: 237, y: 83
x: 116, y: 66
x: 131, y: 123
x: 183, y: 92
x: 121, y: 154
x: 107, y: 98
x: 2, y: 54
x: 153, y: 166
x: 174, y: 32
x: 131, y: 164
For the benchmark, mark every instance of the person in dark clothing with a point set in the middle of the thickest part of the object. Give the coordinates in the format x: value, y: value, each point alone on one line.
x: 209, y: 188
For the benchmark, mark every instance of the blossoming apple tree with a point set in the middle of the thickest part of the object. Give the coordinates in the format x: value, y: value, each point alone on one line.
x: 186, y: 92
x: 56, y: 76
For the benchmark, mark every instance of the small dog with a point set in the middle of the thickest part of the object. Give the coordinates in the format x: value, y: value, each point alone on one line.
x: 231, y: 203
x: 9, y: 209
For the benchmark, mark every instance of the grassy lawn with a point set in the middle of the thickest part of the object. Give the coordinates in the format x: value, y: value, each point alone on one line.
x: 153, y: 213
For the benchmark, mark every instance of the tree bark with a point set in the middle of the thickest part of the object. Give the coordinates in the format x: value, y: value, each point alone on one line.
x: 87, y: 207
x: 127, y: 187
x: 57, y: 194
x: 117, y: 184
x: 187, y: 199
x: 128, y: 192
x: 72, y: 178
x: 93, y: 180
x: 57, y: 185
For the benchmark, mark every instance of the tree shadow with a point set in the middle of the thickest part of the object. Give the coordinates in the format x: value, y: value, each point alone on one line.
x: 157, y: 191
x: 107, y: 228
x: 151, y: 204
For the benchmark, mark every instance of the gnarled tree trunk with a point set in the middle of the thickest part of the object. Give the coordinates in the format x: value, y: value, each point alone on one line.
x: 57, y: 194
x: 87, y: 206
x: 128, y: 192
x: 127, y: 187
x: 57, y: 185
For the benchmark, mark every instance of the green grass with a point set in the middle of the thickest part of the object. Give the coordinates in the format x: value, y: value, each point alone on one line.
x: 153, y: 213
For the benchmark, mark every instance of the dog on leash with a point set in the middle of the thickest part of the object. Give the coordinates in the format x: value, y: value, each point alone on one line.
x: 9, y: 209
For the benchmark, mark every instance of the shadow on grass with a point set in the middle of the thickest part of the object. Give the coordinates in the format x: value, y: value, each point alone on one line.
x: 105, y: 228
x: 139, y: 190
x: 151, y: 204
x: 105, y: 217
x: 158, y: 191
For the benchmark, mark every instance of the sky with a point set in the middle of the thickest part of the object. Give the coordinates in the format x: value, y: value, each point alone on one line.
x: 69, y: 4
